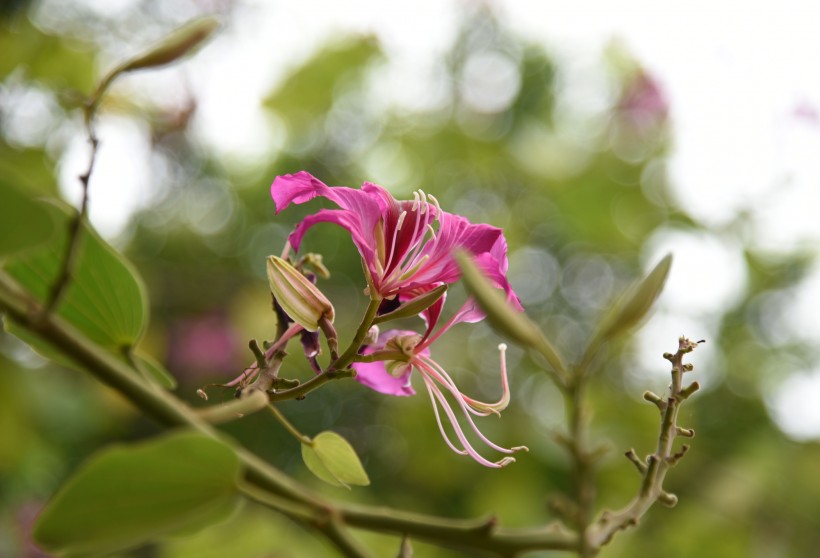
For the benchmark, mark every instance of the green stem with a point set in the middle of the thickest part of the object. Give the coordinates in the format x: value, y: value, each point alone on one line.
x: 303, y: 389
x: 349, y: 546
x: 234, y: 409
x: 353, y: 349
x: 74, y: 228
x: 310, y: 517
x: 583, y: 465
x: 289, y: 426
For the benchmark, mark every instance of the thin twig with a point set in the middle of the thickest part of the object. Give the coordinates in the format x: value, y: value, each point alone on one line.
x: 289, y: 426
x: 344, y: 541
x: 63, y: 279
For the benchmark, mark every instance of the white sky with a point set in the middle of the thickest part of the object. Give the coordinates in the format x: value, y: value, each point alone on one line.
x: 743, y: 81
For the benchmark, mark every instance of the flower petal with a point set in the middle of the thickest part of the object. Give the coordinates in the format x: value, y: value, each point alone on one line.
x: 454, y: 232
x: 375, y: 376
x: 359, y: 213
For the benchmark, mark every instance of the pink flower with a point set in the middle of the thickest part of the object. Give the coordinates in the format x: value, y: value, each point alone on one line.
x: 405, y: 245
x: 407, y: 250
x: 389, y: 363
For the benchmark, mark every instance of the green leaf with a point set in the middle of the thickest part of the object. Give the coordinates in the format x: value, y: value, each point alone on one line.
x: 307, y: 95
x: 24, y: 222
x: 129, y: 495
x: 414, y: 306
x: 104, y: 299
x: 57, y: 61
x: 504, y: 317
x: 333, y: 460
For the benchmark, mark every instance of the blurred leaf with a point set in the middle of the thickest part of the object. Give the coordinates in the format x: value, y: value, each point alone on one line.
x: 309, y: 92
x: 24, y: 223
x: 57, y: 61
x: 413, y: 307
x: 635, y: 302
x: 504, y: 317
x: 333, y: 460
x: 31, y: 170
x: 125, y: 496
x: 104, y: 299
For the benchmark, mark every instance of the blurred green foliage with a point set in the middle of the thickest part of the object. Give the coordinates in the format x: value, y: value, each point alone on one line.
x: 569, y: 197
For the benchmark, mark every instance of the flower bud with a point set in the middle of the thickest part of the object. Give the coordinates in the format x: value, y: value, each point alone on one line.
x: 297, y: 296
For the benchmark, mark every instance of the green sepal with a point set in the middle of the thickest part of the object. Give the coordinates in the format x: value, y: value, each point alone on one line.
x: 414, y: 306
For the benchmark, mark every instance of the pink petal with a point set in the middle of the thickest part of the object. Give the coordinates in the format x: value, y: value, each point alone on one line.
x: 360, y: 210
x: 454, y: 232
x: 375, y: 376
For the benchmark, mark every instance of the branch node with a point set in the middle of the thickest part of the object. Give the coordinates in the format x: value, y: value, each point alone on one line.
x: 258, y: 354
x: 564, y: 508
x: 655, y: 399
x: 667, y: 499
x: 633, y: 457
x: 686, y: 392
x: 673, y: 459
x: 685, y: 432
x: 487, y: 526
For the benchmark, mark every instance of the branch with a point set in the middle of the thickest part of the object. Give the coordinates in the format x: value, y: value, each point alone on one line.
x: 657, y: 465
x: 353, y: 349
x: 226, y: 412
x: 292, y: 498
x: 303, y: 389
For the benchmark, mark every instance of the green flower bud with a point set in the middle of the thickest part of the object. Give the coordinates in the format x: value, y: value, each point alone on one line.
x: 298, y: 297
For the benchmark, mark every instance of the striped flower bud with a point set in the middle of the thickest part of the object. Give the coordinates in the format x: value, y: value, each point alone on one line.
x: 298, y: 297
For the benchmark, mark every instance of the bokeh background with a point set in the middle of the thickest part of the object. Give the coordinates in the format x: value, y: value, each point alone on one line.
x: 598, y: 138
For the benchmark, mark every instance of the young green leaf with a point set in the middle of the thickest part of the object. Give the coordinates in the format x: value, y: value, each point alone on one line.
x: 128, y: 495
x: 333, y: 460
x: 24, y: 223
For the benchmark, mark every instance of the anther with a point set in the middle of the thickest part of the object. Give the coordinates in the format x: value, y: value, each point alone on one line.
x: 400, y: 222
